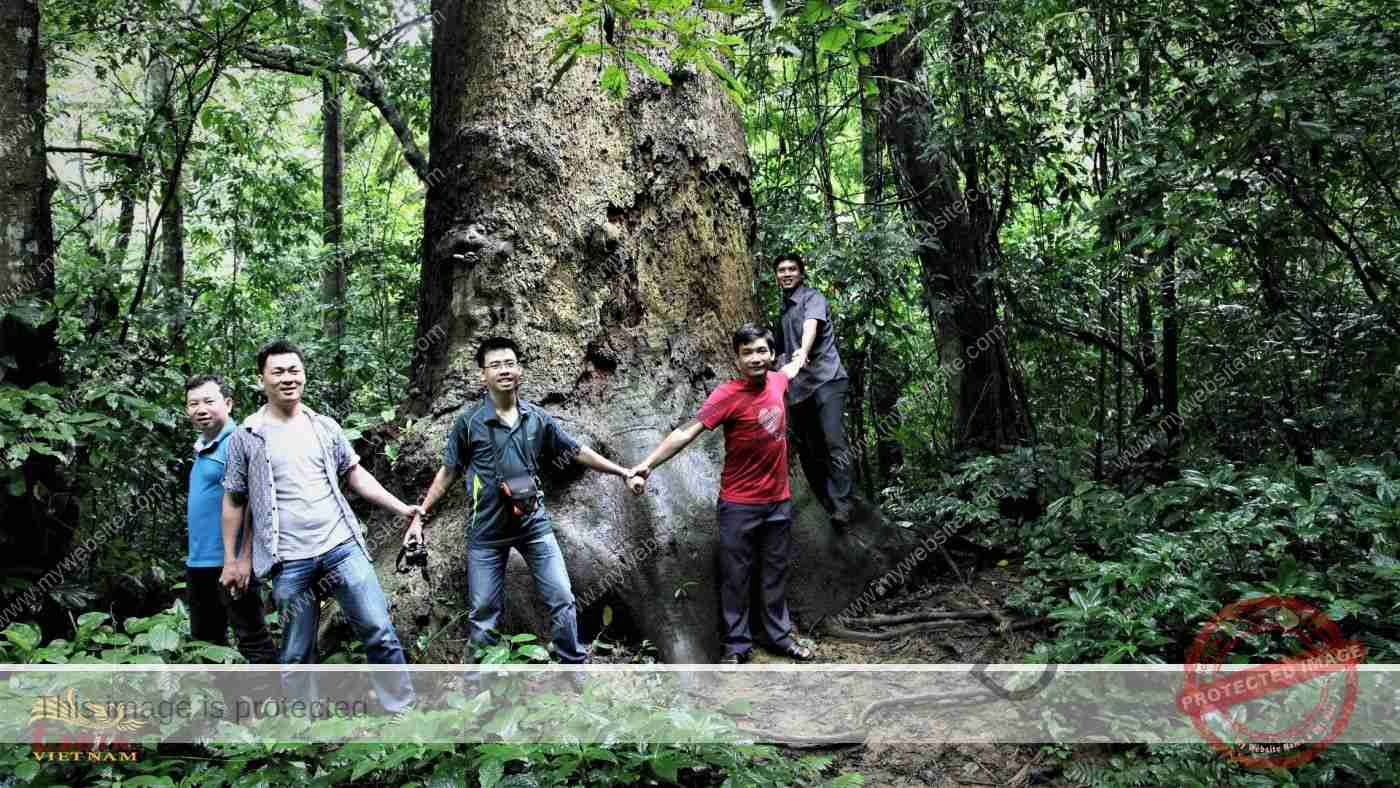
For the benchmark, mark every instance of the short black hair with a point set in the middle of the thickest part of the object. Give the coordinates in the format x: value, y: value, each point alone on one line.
x: 218, y: 380
x: 495, y: 343
x: 793, y: 256
x: 748, y: 333
x: 278, y: 347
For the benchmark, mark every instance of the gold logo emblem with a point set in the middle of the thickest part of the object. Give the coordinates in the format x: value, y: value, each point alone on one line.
x: 91, y: 716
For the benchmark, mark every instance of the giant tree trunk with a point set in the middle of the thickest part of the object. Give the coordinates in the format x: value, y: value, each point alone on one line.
x: 954, y: 224
x: 612, y: 241
x: 37, y: 511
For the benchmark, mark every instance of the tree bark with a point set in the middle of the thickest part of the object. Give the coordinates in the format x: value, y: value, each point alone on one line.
x: 40, y: 517
x: 954, y: 230
x: 613, y: 242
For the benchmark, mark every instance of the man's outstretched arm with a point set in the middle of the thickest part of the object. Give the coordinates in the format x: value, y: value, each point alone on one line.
x: 442, y: 482
x: 672, y: 445
x: 369, y: 488
x: 592, y: 459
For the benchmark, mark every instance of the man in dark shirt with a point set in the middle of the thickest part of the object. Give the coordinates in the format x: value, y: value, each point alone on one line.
x: 504, y: 438
x: 817, y: 397
x: 755, y: 506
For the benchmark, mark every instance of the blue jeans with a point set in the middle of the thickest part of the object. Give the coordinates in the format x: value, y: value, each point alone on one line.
x: 486, y: 581
x: 345, y: 571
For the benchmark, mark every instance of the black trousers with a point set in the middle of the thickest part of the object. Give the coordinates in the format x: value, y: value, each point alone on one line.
x: 212, y: 610
x: 746, y: 531
x: 820, y: 433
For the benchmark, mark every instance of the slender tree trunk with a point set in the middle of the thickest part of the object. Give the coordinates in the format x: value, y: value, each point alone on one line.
x: 172, y: 229
x: 823, y: 151
x: 1146, y: 323
x: 172, y: 263
x: 39, y: 512
x: 885, y: 383
x: 1171, y: 402
x: 612, y: 241
x: 953, y: 226
x: 334, y: 271
x: 103, y: 307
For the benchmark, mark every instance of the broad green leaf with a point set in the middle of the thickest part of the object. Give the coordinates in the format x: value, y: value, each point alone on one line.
x: 834, y: 39
x: 25, y: 636
x: 535, y: 652
x: 163, y: 638
x: 815, y: 11
x: 615, y: 81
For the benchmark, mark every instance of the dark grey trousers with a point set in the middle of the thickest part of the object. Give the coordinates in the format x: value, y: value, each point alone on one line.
x: 819, y: 428
x: 746, y: 531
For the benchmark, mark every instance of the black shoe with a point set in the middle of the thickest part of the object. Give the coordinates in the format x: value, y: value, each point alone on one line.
x: 794, y: 651
x: 736, y: 658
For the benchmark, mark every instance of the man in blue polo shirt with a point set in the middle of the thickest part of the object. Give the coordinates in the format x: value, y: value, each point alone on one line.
x: 506, y: 439
x: 208, y: 402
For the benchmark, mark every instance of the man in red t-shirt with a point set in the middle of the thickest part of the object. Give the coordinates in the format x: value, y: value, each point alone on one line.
x: 755, y: 506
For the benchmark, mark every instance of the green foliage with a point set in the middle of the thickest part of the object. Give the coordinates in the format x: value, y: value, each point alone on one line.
x: 636, y: 31
x: 270, y: 762
x: 275, y: 765
x: 1194, y: 764
x: 162, y: 638
x: 1133, y: 577
x: 520, y: 648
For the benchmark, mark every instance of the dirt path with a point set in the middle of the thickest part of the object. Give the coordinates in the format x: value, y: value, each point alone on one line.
x: 940, y: 766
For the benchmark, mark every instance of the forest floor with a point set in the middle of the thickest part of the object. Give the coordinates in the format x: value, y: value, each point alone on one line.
x: 940, y: 765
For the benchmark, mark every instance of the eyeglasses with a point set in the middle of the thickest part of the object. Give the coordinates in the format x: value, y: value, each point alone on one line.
x: 499, y: 365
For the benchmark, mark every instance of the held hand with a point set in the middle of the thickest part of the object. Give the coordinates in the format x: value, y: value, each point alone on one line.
x: 639, y: 470
x: 412, y: 511
x: 414, y: 532
x: 236, y: 575
x: 636, y: 484
x: 791, y: 369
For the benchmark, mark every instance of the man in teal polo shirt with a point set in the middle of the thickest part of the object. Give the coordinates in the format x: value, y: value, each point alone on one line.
x: 505, y: 438
x: 208, y: 402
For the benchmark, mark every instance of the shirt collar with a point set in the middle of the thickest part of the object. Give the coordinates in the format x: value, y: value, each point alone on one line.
x: 797, y: 293
x: 490, y: 415
x: 257, y: 422
x: 200, y: 446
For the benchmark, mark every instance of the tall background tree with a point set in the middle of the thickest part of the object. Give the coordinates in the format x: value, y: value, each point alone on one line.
x: 38, y: 510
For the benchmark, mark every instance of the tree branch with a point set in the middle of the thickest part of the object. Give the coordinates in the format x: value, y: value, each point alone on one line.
x: 1089, y: 338
x: 368, y: 85
x: 114, y: 154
